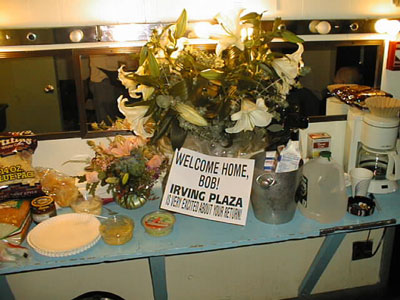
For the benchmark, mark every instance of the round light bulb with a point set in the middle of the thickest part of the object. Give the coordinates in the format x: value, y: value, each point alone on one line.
x: 382, y: 26
x: 76, y: 35
x: 323, y: 27
x: 203, y: 29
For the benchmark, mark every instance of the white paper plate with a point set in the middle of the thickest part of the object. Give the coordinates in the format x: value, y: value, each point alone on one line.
x: 65, y: 235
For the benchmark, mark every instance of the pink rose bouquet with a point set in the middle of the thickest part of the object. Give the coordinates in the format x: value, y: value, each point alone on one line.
x: 126, y: 164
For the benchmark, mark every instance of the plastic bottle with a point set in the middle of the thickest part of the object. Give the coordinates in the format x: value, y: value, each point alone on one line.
x: 322, y: 194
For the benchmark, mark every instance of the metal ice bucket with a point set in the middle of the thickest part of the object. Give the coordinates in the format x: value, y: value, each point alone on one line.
x: 273, y: 194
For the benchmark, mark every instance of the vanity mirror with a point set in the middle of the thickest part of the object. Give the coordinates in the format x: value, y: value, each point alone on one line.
x: 323, y: 58
x: 55, y: 93
x: 38, y: 90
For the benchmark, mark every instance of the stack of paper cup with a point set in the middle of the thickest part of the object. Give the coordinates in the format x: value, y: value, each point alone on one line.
x: 360, y: 180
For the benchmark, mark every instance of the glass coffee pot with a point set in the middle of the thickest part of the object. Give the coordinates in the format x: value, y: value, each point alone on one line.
x: 384, y: 164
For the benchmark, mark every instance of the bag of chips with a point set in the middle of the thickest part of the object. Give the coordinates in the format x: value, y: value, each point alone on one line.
x: 59, y: 186
x: 17, y: 176
x: 15, y: 219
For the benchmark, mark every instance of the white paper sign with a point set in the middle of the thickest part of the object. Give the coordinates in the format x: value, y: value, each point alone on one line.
x: 209, y: 187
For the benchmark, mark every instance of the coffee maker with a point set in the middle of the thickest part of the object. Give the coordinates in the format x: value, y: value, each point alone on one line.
x: 371, y: 142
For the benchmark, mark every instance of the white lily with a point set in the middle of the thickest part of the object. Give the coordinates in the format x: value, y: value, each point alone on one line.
x: 146, y: 91
x: 180, y: 45
x: 124, y: 78
x: 251, y: 114
x: 230, y: 22
x: 283, y: 88
x: 136, y: 117
x: 133, y: 87
x: 288, y: 67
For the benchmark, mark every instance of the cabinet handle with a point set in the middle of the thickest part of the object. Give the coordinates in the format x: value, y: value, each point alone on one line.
x: 48, y: 89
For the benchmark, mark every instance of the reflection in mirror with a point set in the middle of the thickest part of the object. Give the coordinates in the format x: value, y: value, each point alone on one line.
x: 37, y: 92
x: 341, y: 62
x: 102, y: 87
x: 329, y: 63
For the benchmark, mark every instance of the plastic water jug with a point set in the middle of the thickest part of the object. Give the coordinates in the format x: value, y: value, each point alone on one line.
x: 322, y: 194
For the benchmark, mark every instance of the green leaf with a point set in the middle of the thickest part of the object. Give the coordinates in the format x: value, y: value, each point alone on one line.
x: 181, y: 25
x: 170, y: 37
x: 275, y: 127
x: 102, y: 175
x: 247, y: 83
x: 273, y: 55
x: 211, y: 74
x: 267, y: 37
x: 188, y: 61
x: 125, y: 178
x: 177, y: 135
x: 277, y: 22
x: 164, y: 101
x: 139, y: 103
x: 250, y: 16
x: 112, y: 180
x: 163, y: 126
x: 146, y: 80
x: 224, y: 110
x: 249, y: 43
x: 81, y: 178
x: 153, y: 65
x: 143, y: 55
x: 151, y: 109
x: 266, y: 69
x: 291, y: 37
x: 180, y: 90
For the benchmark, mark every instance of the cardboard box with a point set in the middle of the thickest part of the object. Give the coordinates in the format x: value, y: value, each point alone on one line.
x: 318, y: 142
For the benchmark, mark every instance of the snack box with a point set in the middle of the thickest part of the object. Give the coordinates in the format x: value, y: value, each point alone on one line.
x: 318, y: 142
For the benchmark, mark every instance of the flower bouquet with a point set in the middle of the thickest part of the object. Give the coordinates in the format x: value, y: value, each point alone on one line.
x: 129, y: 166
x: 233, y: 95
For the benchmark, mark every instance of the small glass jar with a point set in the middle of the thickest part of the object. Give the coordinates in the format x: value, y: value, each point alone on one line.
x: 43, y: 208
x: 117, y: 229
x: 92, y: 205
x: 158, y: 223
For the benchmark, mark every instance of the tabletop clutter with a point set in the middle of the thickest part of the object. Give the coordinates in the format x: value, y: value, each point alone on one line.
x: 30, y: 199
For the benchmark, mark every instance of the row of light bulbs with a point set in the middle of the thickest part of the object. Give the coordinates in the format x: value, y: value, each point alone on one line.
x: 206, y: 30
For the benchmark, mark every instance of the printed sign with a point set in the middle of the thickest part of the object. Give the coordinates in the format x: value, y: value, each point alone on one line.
x: 209, y: 187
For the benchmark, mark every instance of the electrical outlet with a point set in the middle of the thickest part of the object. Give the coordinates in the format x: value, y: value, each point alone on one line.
x: 362, y: 250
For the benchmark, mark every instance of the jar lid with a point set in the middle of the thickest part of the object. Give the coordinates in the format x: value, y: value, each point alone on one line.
x: 42, y: 201
x: 326, y: 154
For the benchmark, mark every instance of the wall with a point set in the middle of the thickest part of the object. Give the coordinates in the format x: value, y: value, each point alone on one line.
x: 259, y: 272
x: 35, y: 13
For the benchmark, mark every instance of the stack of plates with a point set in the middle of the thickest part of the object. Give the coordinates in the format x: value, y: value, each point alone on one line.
x: 65, y: 235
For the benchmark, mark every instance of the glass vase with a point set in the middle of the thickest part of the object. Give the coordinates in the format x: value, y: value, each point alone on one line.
x: 127, y: 198
x: 237, y: 149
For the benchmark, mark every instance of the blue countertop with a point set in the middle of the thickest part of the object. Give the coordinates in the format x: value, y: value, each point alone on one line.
x: 197, y: 235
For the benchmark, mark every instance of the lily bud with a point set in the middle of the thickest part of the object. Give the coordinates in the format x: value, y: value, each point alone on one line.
x: 190, y: 114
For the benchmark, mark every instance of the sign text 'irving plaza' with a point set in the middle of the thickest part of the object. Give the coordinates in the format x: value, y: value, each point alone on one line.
x: 210, y: 187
